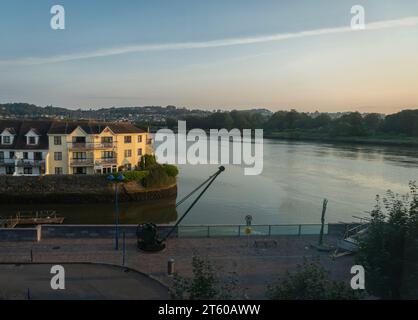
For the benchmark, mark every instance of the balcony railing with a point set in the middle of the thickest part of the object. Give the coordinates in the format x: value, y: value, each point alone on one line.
x: 6, y: 161
x: 92, y: 146
x: 81, y: 162
x: 30, y: 163
x: 106, y: 161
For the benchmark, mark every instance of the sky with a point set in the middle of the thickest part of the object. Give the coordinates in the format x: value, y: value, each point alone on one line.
x: 218, y: 54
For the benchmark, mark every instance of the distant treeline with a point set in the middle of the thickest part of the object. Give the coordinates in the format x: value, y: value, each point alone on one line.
x: 349, y: 124
x: 404, y: 123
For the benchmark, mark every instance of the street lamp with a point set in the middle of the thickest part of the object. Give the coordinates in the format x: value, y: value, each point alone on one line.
x: 120, y: 178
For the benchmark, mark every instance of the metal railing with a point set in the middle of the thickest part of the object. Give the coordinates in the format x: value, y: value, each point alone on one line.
x: 92, y: 146
x: 105, y: 161
x: 81, y: 162
x: 208, y: 231
x: 30, y: 163
x: 4, y: 161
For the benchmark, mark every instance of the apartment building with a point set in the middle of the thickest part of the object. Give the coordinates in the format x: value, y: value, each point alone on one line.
x: 70, y: 147
x: 23, y: 147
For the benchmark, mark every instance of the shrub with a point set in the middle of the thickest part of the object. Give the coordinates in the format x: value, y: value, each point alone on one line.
x: 204, y: 285
x: 310, y: 282
x: 389, y: 250
x: 171, y: 170
x: 158, y: 177
x: 148, y: 161
x: 135, y: 175
x: 131, y: 175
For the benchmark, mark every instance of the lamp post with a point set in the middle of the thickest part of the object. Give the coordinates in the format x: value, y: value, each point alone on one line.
x: 120, y: 178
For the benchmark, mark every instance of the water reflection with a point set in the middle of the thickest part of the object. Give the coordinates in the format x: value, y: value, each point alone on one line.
x: 160, y: 212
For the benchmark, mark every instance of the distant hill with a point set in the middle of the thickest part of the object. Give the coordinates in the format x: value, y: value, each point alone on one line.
x: 153, y: 114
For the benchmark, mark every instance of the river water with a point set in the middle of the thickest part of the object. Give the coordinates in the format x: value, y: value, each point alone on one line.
x: 297, y: 176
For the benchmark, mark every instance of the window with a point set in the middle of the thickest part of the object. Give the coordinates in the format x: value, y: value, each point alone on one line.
x: 11, y: 155
x: 37, y: 156
x: 107, y: 139
x: 31, y: 140
x: 80, y: 170
x: 57, y: 141
x: 128, y: 153
x: 25, y: 155
x: 139, y: 139
x: 108, y: 155
x: 27, y: 171
x: 58, y: 170
x: 57, y: 156
x: 6, y: 140
x: 79, y: 155
x: 140, y: 152
x: 128, y: 139
x: 79, y: 140
x: 2, y: 155
x: 10, y: 170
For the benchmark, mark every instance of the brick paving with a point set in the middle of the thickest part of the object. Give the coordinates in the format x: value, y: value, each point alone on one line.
x: 255, y: 268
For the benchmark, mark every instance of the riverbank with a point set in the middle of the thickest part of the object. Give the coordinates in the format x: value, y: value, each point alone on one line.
x: 312, y: 137
x: 70, y: 189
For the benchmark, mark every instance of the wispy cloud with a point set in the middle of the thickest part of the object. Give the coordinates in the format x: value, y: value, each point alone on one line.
x: 379, y: 25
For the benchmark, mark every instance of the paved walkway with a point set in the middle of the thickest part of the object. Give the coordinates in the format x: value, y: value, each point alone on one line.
x: 254, y: 267
x: 82, y: 282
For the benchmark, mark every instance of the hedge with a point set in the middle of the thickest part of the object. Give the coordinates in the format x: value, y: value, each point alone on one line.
x: 132, y: 175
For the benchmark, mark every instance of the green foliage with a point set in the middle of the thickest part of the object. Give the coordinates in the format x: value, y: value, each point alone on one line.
x: 204, y: 285
x: 131, y: 175
x: 158, y: 177
x: 148, y: 161
x: 310, y: 282
x: 135, y: 175
x: 389, y: 251
x: 171, y: 170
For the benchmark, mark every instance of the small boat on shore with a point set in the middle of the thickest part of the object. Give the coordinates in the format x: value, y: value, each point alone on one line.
x: 31, y: 219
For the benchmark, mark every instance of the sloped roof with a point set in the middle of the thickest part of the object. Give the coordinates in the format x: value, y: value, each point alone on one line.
x: 43, y: 127
x: 67, y: 127
x: 21, y: 128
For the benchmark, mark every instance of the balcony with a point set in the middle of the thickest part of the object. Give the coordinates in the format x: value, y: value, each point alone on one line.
x: 30, y: 163
x: 81, y: 162
x: 91, y: 146
x: 106, y: 162
x: 6, y: 161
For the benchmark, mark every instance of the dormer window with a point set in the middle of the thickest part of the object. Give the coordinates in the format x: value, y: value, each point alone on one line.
x: 7, y: 136
x: 32, y: 137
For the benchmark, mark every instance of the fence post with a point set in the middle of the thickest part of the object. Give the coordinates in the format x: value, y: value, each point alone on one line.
x: 269, y: 230
x: 124, y: 249
x: 208, y: 231
x: 300, y: 230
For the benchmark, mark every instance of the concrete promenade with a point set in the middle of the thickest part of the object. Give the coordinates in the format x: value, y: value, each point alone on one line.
x: 254, y: 267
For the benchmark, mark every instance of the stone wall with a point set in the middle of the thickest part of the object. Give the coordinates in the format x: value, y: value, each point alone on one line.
x: 75, y: 188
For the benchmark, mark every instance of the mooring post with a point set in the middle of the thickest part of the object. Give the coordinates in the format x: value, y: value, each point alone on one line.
x: 321, y: 234
x: 171, y: 267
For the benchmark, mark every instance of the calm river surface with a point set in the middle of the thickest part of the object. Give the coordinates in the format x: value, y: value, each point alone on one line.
x: 297, y: 177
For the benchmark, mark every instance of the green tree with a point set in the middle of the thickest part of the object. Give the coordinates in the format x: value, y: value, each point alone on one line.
x: 373, y: 122
x: 310, y: 282
x: 389, y: 250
